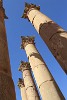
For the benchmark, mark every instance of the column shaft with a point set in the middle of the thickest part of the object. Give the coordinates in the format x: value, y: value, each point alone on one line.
x: 23, y: 93
x: 7, y: 90
x: 22, y: 89
x: 37, y: 18
x: 4, y: 55
x: 53, y: 35
x: 46, y: 84
x: 29, y: 83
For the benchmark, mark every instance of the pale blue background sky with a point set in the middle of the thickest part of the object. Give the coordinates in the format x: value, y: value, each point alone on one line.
x: 16, y: 27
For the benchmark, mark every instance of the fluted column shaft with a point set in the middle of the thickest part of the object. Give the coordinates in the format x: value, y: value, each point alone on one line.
x: 28, y: 81
x: 7, y: 91
x: 22, y: 89
x: 46, y: 84
x: 53, y: 35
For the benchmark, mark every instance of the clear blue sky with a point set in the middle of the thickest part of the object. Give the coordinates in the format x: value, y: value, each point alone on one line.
x: 16, y: 27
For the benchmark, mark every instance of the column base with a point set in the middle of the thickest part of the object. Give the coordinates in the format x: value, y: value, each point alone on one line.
x: 7, y: 91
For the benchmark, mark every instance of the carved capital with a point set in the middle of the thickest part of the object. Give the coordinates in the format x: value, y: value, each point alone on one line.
x: 28, y: 7
x: 24, y: 66
x: 2, y: 10
x: 20, y: 83
x: 27, y: 40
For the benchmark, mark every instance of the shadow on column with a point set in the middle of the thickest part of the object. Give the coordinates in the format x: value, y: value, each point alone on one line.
x: 56, y: 39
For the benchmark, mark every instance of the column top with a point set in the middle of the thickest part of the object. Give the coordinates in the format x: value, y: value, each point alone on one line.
x: 27, y: 40
x: 20, y: 83
x: 1, y: 3
x: 2, y: 10
x: 24, y: 66
x: 29, y: 7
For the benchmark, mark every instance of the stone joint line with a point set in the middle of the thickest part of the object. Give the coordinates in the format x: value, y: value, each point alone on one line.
x: 46, y: 81
x: 32, y: 87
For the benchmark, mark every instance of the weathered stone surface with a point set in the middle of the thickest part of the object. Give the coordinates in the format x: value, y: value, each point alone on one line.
x: 31, y: 94
x: 22, y: 89
x: 56, y: 40
x: 3, y: 32
x: 4, y: 57
x: 52, y: 34
x: 28, y: 79
x: 42, y: 74
x: 23, y: 93
x: 2, y: 11
x: 51, y: 92
x: 31, y: 91
x: 35, y: 16
x: 7, y: 91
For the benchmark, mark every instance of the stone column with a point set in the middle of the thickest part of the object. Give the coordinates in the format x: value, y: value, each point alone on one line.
x: 46, y: 84
x: 22, y: 89
x: 7, y: 91
x: 28, y: 81
x: 53, y: 35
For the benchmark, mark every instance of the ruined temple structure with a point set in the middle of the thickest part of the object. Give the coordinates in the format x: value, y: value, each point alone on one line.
x: 55, y: 38
x: 45, y: 82
x: 7, y: 90
x: 52, y: 34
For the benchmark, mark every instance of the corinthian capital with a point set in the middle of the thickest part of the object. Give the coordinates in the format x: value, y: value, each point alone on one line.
x: 20, y: 83
x: 29, y: 7
x: 24, y: 66
x: 27, y: 40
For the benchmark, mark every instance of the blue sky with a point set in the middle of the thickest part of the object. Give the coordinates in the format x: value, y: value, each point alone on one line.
x: 16, y: 27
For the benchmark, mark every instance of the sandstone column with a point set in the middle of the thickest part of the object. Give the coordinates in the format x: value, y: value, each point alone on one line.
x: 7, y: 91
x: 46, y: 84
x: 22, y: 89
x: 28, y: 81
x: 52, y: 34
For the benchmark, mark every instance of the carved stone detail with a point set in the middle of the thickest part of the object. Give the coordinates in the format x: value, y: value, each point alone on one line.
x: 20, y: 83
x: 24, y: 66
x: 27, y: 40
x: 29, y: 7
